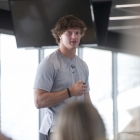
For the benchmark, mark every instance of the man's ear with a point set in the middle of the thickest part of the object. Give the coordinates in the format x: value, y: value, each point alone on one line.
x: 60, y: 37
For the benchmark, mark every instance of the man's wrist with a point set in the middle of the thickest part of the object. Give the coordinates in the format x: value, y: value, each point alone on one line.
x: 69, y: 93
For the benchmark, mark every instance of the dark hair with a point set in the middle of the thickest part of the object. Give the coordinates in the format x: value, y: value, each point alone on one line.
x: 65, y: 23
x: 80, y: 121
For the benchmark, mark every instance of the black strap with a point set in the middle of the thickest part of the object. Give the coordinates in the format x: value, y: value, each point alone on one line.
x: 68, y: 92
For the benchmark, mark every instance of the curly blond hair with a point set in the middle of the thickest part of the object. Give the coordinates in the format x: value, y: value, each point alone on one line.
x: 65, y: 23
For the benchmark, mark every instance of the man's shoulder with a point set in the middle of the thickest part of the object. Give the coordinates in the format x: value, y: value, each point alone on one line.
x: 51, y: 57
x: 54, y: 60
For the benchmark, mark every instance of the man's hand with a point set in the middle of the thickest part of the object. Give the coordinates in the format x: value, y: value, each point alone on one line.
x: 78, y: 89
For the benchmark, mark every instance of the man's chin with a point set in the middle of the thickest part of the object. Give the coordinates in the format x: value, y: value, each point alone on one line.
x: 74, y: 45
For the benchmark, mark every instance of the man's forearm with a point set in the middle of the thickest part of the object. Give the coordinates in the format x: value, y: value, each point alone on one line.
x: 49, y: 99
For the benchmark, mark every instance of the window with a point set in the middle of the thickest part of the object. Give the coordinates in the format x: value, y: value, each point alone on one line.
x: 128, y: 95
x: 19, y: 117
x: 100, y: 80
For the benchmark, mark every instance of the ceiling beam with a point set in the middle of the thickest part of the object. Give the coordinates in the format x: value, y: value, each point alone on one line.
x: 129, y: 22
x: 127, y: 1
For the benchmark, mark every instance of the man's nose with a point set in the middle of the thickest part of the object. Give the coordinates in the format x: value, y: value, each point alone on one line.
x: 74, y: 35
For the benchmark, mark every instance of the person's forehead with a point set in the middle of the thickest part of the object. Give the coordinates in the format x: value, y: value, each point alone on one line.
x: 73, y: 29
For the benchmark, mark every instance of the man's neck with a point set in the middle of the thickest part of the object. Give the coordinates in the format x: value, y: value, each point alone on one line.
x: 67, y: 52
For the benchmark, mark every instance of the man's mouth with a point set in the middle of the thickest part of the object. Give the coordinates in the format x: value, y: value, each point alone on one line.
x: 73, y: 42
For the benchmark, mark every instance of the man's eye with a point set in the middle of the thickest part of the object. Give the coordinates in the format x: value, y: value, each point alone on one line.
x: 77, y: 33
x: 68, y: 33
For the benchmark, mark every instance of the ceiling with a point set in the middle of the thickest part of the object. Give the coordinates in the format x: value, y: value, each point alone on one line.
x: 122, y: 26
x: 130, y: 14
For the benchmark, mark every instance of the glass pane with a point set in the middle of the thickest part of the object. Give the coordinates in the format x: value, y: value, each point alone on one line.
x: 19, y: 116
x: 100, y: 80
x: 128, y: 96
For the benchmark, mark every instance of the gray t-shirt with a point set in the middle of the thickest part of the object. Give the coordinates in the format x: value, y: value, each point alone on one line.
x: 56, y: 73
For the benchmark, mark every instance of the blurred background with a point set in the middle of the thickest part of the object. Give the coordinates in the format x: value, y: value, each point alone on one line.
x: 111, y: 48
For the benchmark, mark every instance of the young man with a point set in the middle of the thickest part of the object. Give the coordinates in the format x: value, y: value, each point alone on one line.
x: 62, y: 77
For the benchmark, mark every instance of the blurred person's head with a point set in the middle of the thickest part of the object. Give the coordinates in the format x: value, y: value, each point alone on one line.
x: 3, y: 137
x: 65, y: 23
x: 80, y: 121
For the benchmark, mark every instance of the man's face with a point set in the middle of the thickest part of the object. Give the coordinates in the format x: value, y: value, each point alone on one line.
x: 71, y: 38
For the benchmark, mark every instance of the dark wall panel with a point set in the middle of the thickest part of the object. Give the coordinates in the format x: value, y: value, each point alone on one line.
x: 101, y: 12
x: 6, y: 20
x: 123, y: 43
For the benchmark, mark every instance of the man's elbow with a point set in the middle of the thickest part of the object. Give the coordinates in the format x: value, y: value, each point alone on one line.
x: 37, y: 103
x: 37, y: 99
x: 40, y: 101
x: 40, y: 104
x: 37, y: 106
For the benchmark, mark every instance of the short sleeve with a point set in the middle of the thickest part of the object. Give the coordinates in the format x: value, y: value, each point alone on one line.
x: 44, y: 76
